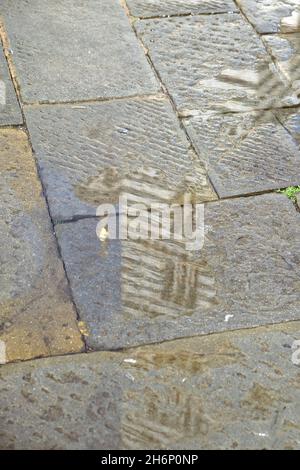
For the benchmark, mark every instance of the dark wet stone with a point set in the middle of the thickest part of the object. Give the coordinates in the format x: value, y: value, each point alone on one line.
x: 150, y: 8
x: 269, y: 16
x: 236, y: 390
x: 89, y: 155
x: 246, y: 153
x: 10, y: 112
x: 199, y: 60
x: 37, y: 317
x: 67, y: 55
x: 135, y: 292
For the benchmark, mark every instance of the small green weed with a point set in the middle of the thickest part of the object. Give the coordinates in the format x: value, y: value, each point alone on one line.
x: 291, y: 192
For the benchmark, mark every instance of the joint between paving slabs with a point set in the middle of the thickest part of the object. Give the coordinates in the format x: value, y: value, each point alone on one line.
x: 81, y: 103
x: 179, y: 15
x: 128, y: 349
x: 181, y: 118
x: 166, y: 92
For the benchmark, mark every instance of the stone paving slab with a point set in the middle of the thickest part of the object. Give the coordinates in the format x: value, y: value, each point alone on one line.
x: 272, y: 16
x: 36, y: 315
x: 75, y: 51
x: 199, y: 60
x: 285, y: 49
x: 10, y: 112
x: 236, y: 390
x: 245, y: 153
x: 290, y: 118
x: 150, y: 8
x: 88, y: 155
x: 134, y: 292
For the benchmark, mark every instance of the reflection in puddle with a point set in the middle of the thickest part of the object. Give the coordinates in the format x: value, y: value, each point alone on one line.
x: 161, y: 279
x: 290, y: 24
x: 143, y: 185
x: 158, y: 277
x: 162, y: 417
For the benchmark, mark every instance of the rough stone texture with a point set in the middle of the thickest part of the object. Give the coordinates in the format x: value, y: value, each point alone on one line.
x: 150, y: 8
x: 245, y: 153
x: 75, y: 51
x: 237, y: 390
x: 36, y: 315
x: 290, y: 118
x: 285, y: 48
x: 271, y: 16
x: 199, y: 60
x: 135, y: 292
x: 10, y: 112
x: 88, y: 156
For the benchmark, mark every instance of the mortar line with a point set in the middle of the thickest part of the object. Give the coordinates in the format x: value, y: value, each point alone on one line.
x: 183, y: 15
x: 79, y: 103
x: 168, y: 96
x: 128, y: 349
x: 78, y: 218
x: 5, y: 43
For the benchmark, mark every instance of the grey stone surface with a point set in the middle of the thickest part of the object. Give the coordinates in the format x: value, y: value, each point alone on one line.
x: 245, y: 153
x: 290, y: 118
x: 237, y: 390
x: 150, y: 8
x: 269, y: 16
x: 10, y: 112
x: 214, y: 63
x: 88, y: 155
x: 37, y: 317
x: 135, y: 292
x: 285, y: 49
x: 75, y: 51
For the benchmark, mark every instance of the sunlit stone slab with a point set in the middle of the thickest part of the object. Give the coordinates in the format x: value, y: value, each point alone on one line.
x: 37, y: 317
x: 214, y: 63
x: 89, y: 155
x: 150, y: 8
x: 69, y: 51
x: 271, y: 16
x: 245, y: 153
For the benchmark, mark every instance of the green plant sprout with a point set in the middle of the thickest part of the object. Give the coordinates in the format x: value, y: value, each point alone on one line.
x: 291, y: 192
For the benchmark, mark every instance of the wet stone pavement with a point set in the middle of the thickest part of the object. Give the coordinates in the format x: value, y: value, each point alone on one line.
x: 145, y: 343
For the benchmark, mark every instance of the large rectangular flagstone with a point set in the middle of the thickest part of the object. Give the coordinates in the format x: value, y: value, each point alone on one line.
x: 213, y: 63
x: 10, y: 112
x: 89, y: 155
x: 237, y: 390
x: 68, y: 50
x: 134, y: 292
x: 149, y: 8
x: 37, y: 317
x: 272, y: 16
x: 245, y: 153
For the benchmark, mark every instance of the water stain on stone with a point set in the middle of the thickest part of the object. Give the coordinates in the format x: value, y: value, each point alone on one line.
x: 260, y: 399
x: 183, y: 362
